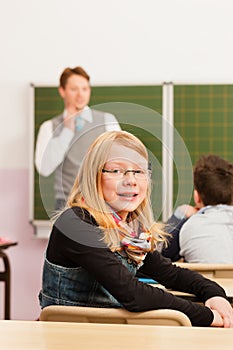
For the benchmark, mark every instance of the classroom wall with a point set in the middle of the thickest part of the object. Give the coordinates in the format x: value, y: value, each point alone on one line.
x: 117, y: 42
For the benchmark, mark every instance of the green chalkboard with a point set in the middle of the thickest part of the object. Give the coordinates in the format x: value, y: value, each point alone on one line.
x: 137, y: 108
x: 203, y: 119
x: 203, y: 116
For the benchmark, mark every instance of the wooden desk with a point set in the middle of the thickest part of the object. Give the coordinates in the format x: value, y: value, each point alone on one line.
x: 209, y: 270
x: 33, y: 335
x: 225, y: 283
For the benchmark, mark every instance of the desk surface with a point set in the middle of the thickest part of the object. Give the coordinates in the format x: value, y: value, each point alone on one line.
x: 225, y: 283
x: 33, y: 335
x: 4, y: 244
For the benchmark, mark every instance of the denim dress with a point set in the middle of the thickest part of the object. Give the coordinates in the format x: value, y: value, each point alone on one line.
x: 76, y: 286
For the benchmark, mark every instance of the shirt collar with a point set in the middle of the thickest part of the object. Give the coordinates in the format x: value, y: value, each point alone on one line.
x: 218, y: 206
x: 86, y: 114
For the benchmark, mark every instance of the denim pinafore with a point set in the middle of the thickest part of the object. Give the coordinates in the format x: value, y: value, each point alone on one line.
x: 76, y: 287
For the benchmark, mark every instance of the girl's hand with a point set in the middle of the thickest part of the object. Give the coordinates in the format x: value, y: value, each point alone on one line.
x: 217, y: 321
x: 221, y: 308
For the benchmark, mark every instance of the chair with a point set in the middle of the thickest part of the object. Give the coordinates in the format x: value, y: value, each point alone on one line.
x: 60, y: 313
x: 5, y: 276
x: 209, y: 270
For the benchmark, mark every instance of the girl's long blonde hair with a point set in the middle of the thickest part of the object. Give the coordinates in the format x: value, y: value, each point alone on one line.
x: 87, y: 190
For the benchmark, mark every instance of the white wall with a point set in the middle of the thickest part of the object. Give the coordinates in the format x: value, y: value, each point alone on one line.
x: 117, y: 42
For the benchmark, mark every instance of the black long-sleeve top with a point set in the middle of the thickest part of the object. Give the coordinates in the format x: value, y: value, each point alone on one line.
x: 77, y: 241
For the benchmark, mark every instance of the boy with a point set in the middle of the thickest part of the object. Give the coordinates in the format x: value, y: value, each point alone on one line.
x: 207, y: 235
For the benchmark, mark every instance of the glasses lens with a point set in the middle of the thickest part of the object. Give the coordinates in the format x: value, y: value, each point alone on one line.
x: 141, y: 174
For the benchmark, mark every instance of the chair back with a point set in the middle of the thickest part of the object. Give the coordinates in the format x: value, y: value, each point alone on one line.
x: 60, y: 313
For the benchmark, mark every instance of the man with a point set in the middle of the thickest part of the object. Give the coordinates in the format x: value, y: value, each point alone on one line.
x: 63, y: 140
x: 204, y: 234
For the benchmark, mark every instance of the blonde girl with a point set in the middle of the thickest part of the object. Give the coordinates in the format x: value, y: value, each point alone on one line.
x: 107, y: 235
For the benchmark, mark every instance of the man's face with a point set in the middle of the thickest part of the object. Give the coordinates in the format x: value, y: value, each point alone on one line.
x: 76, y: 94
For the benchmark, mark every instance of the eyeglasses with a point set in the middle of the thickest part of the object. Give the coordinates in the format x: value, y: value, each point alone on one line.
x: 119, y: 173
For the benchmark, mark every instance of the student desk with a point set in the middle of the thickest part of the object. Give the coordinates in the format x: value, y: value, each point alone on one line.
x: 225, y: 283
x: 33, y: 335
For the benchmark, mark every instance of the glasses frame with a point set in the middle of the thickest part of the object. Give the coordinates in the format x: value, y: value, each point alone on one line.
x: 138, y: 173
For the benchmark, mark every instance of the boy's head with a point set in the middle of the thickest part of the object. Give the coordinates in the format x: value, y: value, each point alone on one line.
x: 213, y: 180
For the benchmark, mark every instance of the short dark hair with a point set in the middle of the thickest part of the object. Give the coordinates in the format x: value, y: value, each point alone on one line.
x: 213, y: 180
x: 70, y: 71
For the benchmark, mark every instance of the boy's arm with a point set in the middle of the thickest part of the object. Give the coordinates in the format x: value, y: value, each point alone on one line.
x: 173, y: 226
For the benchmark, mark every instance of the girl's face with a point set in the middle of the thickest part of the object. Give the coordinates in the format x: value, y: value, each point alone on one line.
x: 124, y: 179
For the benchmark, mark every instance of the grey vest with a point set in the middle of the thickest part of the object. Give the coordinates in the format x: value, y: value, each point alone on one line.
x: 66, y: 172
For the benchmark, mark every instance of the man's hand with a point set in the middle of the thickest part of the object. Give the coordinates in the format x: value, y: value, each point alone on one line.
x: 69, y: 121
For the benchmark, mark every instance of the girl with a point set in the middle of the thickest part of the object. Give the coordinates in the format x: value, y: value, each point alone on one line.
x: 107, y: 234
